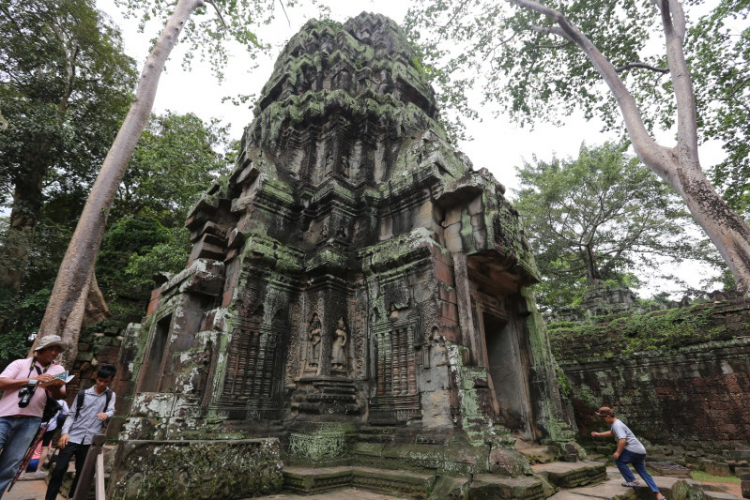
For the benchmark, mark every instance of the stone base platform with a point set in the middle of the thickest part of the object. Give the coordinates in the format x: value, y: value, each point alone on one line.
x: 307, y: 481
x: 489, y: 487
x: 365, y: 483
x: 572, y: 474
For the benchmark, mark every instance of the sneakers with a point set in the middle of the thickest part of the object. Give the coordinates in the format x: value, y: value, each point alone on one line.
x: 40, y: 473
x: 631, y: 484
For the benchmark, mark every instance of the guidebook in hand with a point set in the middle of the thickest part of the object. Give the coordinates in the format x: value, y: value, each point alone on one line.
x: 64, y: 376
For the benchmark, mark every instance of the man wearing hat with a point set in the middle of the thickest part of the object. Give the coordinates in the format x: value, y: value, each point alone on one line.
x: 629, y: 451
x: 27, y: 383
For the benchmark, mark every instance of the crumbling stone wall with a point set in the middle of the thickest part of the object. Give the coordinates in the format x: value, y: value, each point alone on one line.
x: 181, y: 470
x: 682, y: 381
x: 97, y: 345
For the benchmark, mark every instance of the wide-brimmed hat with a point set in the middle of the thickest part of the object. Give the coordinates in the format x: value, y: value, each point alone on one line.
x: 605, y: 411
x: 50, y: 341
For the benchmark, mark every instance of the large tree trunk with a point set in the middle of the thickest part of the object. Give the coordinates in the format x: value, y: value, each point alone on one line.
x: 77, y: 266
x: 679, y: 166
x: 593, y: 277
x: 730, y: 234
x: 27, y: 204
x: 19, y: 238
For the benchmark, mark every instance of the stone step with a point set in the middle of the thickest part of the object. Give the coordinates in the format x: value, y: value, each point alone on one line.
x: 340, y: 494
x: 534, y: 453
x: 375, y: 483
x: 572, y: 474
x: 307, y: 481
x: 490, y: 487
x: 612, y: 489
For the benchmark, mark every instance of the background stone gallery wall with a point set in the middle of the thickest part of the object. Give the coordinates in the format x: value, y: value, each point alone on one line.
x: 678, y: 377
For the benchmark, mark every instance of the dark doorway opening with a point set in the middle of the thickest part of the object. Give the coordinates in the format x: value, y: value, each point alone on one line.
x: 508, y: 365
x: 151, y: 378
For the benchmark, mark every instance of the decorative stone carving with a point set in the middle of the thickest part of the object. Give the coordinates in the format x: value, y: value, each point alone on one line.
x: 314, y: 337
x: 338, y: 352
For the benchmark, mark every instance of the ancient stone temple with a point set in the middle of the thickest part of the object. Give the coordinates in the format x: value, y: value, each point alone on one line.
x: 355, y: 289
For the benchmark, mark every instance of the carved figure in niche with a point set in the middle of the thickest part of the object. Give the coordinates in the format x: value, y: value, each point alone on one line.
x: 314, y: 336
x: 338, y: 353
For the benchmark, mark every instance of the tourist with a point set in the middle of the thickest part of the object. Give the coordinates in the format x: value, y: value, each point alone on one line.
x: 629, y: 451
x: 33, y: 465
x: 55, y: 423
x: 88, y: 416
x: 22, y: 403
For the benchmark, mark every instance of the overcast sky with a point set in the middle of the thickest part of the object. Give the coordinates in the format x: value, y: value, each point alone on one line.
x: 498, y: 144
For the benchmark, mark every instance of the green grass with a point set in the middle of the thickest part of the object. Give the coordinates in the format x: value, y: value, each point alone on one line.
x: 699, y: 475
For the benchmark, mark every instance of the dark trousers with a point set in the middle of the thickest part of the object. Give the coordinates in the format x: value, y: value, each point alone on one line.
x: 63, y: 459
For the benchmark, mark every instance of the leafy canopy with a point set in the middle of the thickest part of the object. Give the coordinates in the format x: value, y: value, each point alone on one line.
x: 719, y: 51
x: 602, y: 218
x: 211, y: 24
x: 65, y: 84
x: 530, y: 73
x: 176, y: 160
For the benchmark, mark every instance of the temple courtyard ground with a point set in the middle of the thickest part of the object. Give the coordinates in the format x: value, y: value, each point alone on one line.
x: 34, y: 488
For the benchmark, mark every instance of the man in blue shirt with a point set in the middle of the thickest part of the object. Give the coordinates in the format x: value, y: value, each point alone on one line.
x: 88, y: 415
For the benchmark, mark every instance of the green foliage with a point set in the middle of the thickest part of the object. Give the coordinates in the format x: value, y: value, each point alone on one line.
x: 211, y: 25
x: 601, y: 219
x: 177, y: 158
x: 64, y: 87
x: 670, y: 329
x: 27, y: 312
x: 169, y: 256
x: 719, y: 51
x: 127, y: 237
x: 566, y: 391
x: 529, y: 72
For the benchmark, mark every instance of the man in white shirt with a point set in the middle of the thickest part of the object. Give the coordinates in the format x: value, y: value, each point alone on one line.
x: 27, y: 383
x: 88, y: 414
x: 629, y: 451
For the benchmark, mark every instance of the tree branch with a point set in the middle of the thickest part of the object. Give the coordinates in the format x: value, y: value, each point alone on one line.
x: 455, y: 14
x: 648, y: 150
x: 558, y: 46
x: 673, y: 22
x: 283, y: 9
x: 642, y: 66
x: 502, y: 42
x: 221, y: 18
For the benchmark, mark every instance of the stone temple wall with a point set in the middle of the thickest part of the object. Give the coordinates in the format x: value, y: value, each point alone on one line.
x: 688, y: 387
x: 356, y: 288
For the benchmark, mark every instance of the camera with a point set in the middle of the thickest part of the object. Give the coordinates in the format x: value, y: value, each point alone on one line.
x: 26, y: 393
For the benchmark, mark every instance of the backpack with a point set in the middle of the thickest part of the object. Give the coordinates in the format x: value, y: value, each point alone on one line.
x: 51, y: 408
x: 82, y: 395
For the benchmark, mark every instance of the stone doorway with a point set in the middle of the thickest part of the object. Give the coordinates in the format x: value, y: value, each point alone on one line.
x: 508, y: 364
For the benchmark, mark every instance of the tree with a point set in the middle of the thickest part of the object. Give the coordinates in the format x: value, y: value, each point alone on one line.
x: 67, y: 301
x: 64, y: 87
x: 177, y: 158
x: 602, y: 217
x: 719, y: 53
x: 560, y: 52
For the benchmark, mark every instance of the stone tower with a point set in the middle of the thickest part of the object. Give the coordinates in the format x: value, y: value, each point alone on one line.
x: 355, y: 287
